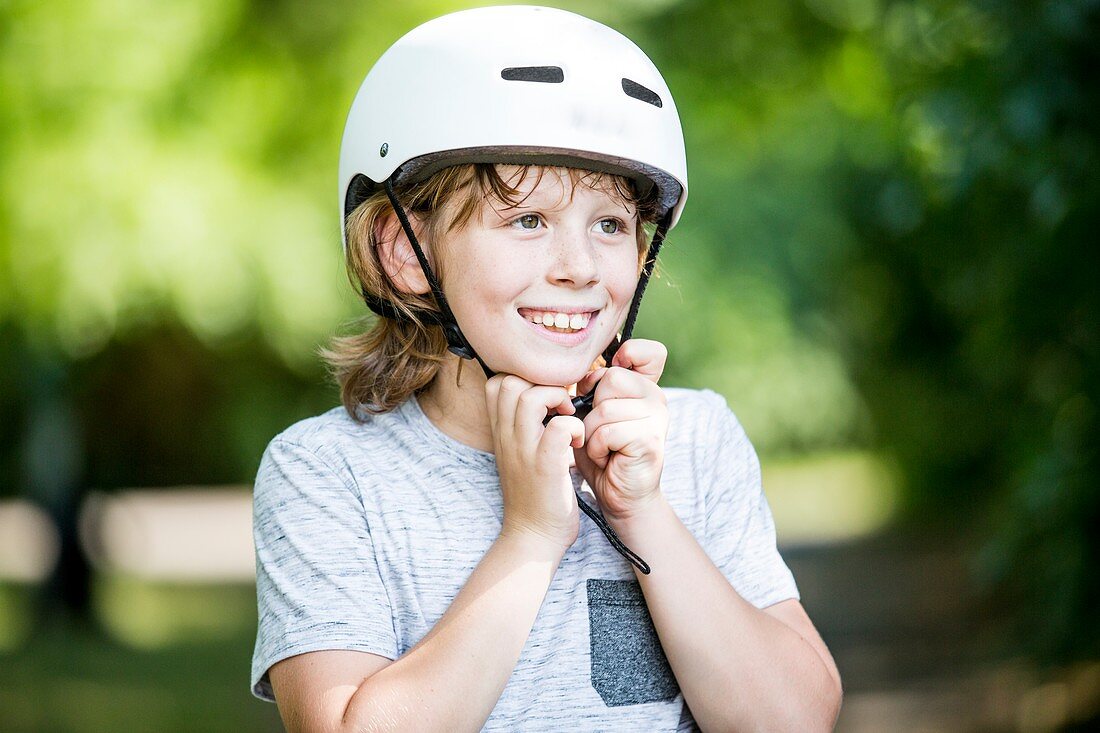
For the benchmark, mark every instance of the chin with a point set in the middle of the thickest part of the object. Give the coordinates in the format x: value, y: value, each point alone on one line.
x: 550, y: 374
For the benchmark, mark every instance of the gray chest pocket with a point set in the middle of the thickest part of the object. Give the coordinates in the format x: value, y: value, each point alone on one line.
x: 628, y: 665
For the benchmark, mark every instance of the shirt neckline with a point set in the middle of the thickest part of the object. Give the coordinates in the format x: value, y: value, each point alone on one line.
x: 416, y: 417
x: 414, y: 414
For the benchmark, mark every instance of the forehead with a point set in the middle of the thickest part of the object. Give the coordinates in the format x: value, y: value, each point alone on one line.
x: 476, y: 191
x: 555, y: 186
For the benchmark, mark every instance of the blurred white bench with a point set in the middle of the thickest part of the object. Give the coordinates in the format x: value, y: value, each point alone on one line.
x: 29, y: 542
x: 184, y: 534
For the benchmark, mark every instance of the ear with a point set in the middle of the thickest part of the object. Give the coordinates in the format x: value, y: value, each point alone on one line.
x: 397, y: 256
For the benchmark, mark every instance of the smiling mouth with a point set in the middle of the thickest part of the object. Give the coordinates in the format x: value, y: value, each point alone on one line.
x: 558, y: 321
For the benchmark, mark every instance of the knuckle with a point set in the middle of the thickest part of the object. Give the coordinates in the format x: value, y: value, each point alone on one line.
x: 566, y: 424
x: 554, y: 429
x: 615, y: 411
x: 597, y: 417
x: 614, y: 376
x: 511, y: 384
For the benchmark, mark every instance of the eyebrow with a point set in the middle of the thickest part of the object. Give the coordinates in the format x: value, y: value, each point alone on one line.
x: 504, y: 209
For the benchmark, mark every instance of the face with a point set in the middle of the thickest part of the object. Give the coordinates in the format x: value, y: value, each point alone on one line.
x: 540, y: 289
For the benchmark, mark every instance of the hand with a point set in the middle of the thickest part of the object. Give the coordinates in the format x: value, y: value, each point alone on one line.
x: 624, y: 451
x: 532, y: 460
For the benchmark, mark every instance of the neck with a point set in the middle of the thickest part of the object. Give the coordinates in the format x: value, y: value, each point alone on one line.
x: 455, y: 403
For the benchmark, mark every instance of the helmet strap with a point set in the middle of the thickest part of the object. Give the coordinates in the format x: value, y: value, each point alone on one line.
x: 456, y: 341
x: 639, y: 291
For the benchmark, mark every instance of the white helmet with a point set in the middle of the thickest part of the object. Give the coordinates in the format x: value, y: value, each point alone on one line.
x: 513, y: 84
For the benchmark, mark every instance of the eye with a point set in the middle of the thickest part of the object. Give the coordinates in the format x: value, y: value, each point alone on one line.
x: 529, y: 222
x: 610, y: 226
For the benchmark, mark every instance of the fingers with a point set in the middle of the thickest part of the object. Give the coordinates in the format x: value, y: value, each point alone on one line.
x: 585, y: 464
x: 616, y: 382
x: 630, y: 413
x: 621, y: 383
x: 519, y: 407
x: 620, y: 409
x: 508, y: 390
x: 588, y: 381
x: 605, y: 440
x: 626, y: 391
x: 492, y: 394
x: 642, y: 356
x: 532, y: 405
x: 562, y: 431
x: 630, y: 438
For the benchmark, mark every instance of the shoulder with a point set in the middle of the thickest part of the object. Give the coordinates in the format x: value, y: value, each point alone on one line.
x: 334, y: 437
x: 330, y: 448
x: 703, y: 428
x: 694, y: 400
x: 694, y: 411
x: 321, y: 433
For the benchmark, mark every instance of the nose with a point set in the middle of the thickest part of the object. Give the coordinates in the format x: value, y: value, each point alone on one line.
x: 575, y: 261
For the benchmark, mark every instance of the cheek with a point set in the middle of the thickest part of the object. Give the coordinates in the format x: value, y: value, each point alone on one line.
x: 499, y: 280
x: 477, y: 286
x: 622, y: 274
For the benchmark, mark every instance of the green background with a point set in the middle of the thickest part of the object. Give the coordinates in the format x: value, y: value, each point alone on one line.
x: 884, y: 255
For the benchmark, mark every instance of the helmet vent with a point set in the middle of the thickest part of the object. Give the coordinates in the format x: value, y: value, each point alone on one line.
x: 544, y: 74
x: 647, y: 95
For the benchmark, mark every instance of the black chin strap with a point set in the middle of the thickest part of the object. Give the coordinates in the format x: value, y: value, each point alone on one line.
x: 583, y: 403
x: 458, y: 345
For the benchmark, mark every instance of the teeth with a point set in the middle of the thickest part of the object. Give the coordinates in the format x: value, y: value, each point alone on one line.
x: 563, y: 321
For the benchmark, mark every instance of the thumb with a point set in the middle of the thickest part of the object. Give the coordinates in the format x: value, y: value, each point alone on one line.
x: 588, y: 381
x: 563, y: 431
x: 587, y: 468
x: 643, y: 356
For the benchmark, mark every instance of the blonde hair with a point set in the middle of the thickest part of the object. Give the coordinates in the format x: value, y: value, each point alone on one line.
x: 392, y: 360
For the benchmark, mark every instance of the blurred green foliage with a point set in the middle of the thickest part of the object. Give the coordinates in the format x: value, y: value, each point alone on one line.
x: 918, y: 180
x: 885, y: 246
x: 75, y: 679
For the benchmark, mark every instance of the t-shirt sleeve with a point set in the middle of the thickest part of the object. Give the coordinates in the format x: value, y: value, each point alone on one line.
x: 317, y: 580
x: 740, y: 531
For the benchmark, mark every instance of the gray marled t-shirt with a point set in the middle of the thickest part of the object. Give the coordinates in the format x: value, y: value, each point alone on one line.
x: 366, y: 532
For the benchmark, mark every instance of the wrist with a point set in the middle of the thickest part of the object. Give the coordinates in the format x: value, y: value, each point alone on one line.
x: 532, y: 544
x: 639, y: 512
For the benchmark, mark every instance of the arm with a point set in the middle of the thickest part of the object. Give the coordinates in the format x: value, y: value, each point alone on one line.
x: 452, y: 679
x: 739, y: 667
